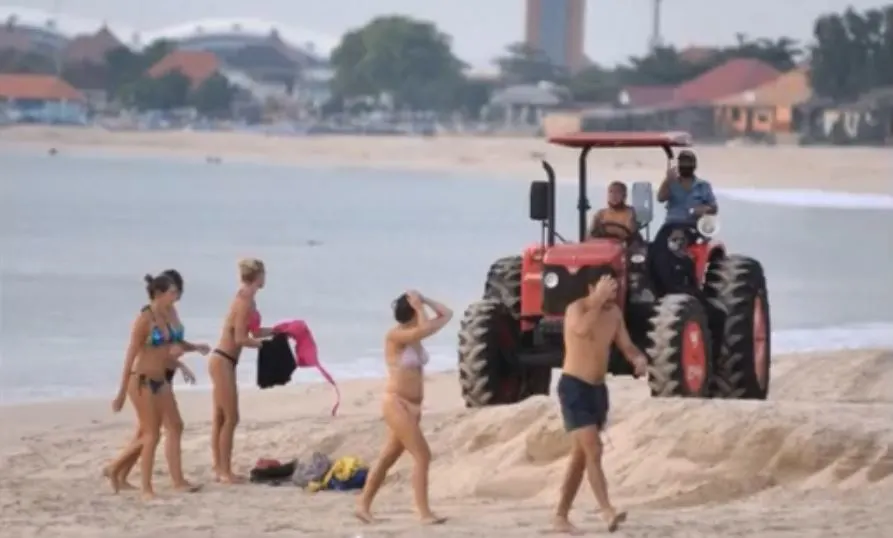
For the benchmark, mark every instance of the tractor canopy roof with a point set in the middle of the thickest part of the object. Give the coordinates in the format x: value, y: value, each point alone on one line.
x: 676, y: 139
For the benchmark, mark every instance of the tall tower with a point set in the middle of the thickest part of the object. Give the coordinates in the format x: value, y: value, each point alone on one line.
x: 656, y: 39
x: 558, y: 27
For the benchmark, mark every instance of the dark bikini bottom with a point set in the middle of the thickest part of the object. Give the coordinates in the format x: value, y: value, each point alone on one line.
x: 155, y: 385
x: 169, y: 375
x: 227, y: 356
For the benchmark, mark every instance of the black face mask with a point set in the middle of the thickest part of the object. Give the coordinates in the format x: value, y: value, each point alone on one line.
x: 686, y: 172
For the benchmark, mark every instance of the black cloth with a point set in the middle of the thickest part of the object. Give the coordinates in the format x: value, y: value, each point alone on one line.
x: 673, y: 271
x: 275, y: 362
x: 582, y: 404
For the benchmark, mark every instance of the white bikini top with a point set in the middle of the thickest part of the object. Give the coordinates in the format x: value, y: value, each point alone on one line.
x: 414, y: 358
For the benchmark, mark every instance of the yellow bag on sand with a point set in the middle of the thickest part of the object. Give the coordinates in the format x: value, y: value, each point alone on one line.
x: 343, y: 474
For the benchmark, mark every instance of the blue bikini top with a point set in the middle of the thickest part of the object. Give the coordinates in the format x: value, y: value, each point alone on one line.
x: 157, y: 337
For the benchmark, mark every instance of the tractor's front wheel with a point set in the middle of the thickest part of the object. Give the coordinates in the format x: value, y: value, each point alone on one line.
x: 679, y: 348
x: 736, y: 286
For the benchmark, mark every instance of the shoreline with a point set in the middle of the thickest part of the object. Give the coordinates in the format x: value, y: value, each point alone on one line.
x: 318, y: 383
x: 844, y: 169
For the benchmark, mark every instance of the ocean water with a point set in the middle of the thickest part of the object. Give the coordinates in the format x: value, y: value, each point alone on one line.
x: 77, y: 233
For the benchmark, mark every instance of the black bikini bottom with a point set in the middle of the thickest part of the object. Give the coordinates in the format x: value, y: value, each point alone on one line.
x: 155, y: 385
x: 227, y: 356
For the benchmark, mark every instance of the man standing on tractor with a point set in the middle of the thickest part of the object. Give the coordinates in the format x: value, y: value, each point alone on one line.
x: 687, y: 196
x: 687, y: 199
x: 591, y: 324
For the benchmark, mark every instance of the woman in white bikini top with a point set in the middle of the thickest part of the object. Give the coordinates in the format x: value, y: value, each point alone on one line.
x: 401, y: 407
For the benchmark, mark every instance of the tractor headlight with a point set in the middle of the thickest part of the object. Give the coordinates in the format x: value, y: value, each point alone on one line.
x: 550, y: 280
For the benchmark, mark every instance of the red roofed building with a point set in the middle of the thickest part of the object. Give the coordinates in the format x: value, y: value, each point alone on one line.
x: 28, y: 87
x: 730, y: 78
x: 41, y: 98
x: 195, y: 65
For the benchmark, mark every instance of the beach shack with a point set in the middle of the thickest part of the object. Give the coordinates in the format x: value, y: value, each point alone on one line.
x: 32, y: 98
x: 767, y: 111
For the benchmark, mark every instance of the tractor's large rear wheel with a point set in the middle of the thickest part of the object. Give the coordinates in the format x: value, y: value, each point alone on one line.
x: 679, y: 348
x: 488, y: 339
x: 504, y: 283
x: 736, y: 286
x: 489, y: 372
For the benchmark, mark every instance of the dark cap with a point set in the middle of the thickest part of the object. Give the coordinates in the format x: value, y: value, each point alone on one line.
x: 687, y: 155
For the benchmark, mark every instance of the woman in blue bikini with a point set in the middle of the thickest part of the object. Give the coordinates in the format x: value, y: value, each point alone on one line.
x: 155, y: 338
x: 172, y: 422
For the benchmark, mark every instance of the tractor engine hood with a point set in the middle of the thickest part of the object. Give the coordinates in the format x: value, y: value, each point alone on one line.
x: 575, y: 256
x: 562, y: 279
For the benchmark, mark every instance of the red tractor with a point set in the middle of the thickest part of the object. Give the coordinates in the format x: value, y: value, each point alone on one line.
x: 712, y: 340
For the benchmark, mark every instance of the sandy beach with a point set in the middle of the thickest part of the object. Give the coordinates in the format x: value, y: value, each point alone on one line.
x: 814, y: 461
x: 858, y: 170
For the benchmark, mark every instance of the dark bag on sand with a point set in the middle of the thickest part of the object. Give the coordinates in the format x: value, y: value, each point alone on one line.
x: 271, y: 472
x: 275, y: 362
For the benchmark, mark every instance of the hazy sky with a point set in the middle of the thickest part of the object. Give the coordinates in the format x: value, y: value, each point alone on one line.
x: 615, y: 29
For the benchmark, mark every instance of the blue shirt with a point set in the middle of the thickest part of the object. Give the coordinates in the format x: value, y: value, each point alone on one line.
x: 681, y: 201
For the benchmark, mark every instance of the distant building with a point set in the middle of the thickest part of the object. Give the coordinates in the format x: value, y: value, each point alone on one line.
x: 287, y: 64
x: 22, y: 36
x: 195, y: 65
x: 91, y: 48
x: 41, y: 99
x: 558, y: 27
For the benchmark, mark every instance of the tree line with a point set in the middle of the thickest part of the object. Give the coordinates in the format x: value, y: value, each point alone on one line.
x: 410, y: 64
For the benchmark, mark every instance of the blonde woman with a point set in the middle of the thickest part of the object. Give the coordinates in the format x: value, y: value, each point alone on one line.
x: 241, y: 328
x: 401, y: 405
x: 152, y: 338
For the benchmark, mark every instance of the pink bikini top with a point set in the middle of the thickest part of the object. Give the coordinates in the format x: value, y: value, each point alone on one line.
x: 254, y: 322
x: 414, y: 358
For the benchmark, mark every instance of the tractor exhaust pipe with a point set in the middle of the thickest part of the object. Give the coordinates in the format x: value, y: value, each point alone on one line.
x: 550, y: 221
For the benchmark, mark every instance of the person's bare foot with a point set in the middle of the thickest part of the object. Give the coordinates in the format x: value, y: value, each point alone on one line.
x: 562, y: 525
x: 124, y: 485
x: 148, y: 495
x: 230, y: 478
x: 432, y: 519
x: 613, y: 519
x: 187, y: 487
x: 364, y: 515
x: 112, y: 478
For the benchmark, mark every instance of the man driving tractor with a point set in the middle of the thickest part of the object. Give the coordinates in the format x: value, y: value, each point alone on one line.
x: 618, y: 219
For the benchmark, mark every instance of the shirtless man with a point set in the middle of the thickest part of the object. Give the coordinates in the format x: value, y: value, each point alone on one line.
x: 591, y: 325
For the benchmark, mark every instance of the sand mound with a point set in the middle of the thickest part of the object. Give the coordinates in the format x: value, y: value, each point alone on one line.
x: 659, y: 453
x: 677, y: 452
x: 856, y: 377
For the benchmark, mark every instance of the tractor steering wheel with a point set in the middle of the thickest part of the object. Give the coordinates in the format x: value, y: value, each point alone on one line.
x: 621, y: 232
